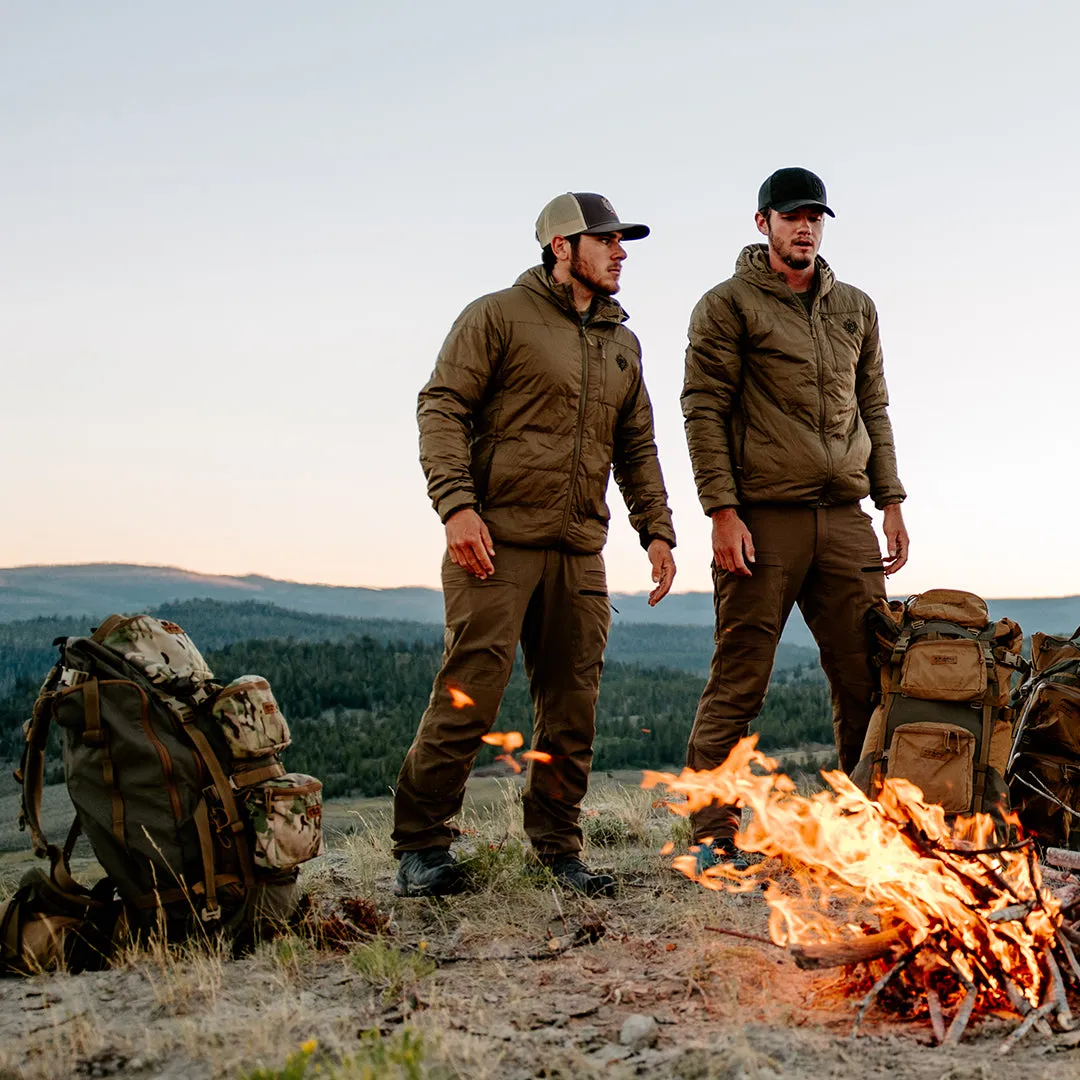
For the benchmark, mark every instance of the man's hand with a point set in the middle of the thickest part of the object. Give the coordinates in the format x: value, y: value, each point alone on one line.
x: 468, y: 543
x: 896, y: 535
x: 663, y: 570
x: 731, y: 541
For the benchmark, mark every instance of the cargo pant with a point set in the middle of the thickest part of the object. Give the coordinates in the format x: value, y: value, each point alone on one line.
x: 557, y: 605
x: 805, y: 555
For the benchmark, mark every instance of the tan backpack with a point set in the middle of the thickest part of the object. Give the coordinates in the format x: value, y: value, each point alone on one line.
x: 943, y: 720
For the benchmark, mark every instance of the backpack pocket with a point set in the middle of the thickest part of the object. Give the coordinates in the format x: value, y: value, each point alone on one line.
x: 286, y: 814
x: 939, y: 759
x: 944, y: 670
x: 250, y: 719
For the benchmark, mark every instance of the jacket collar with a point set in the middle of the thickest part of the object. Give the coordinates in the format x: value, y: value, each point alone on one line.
x: 604, y: 308
x: 752, y: 265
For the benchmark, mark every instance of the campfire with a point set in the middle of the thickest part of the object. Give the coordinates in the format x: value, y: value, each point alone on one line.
x: 946, y: 922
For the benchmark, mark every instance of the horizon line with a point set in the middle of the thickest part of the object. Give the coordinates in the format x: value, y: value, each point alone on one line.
x: 379, y: 588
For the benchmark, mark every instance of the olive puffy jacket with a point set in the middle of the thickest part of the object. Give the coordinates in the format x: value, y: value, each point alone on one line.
x: 785, y: 406
x: 528, y: 412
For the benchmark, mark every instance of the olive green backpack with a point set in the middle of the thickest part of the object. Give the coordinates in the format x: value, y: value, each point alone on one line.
x: 177, y: 786
x: 943, y: 720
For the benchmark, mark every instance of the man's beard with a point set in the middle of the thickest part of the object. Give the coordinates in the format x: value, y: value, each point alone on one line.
x: 796, y: 261
x: 580, y: 274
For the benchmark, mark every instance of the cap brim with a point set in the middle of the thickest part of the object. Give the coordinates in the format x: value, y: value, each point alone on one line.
x: 795, y: 204
x: 629, y: 232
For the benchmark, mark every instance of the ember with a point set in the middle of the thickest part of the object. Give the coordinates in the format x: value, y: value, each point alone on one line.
x: 935, y: 908
x: 511, y: 741
x: 458, y: 698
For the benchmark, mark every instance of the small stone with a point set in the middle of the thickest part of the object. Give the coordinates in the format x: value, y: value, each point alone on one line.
x: 639, y: 1031
x: 609, y: 1053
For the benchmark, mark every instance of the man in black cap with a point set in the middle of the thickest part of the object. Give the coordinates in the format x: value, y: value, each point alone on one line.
x: 536, y: 398
x: 786, y: 417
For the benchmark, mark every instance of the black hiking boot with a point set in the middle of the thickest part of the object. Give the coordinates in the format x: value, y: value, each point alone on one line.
x: 572, y: 873
x: 721, y: 852
x: 428, y: 872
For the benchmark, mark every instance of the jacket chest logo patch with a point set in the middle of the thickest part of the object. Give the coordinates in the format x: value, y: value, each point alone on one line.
x: 850, y: 326
x: 621, y: 361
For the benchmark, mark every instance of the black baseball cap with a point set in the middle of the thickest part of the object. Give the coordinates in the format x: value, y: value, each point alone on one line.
x: 579, y: 212
x: 788, y: 189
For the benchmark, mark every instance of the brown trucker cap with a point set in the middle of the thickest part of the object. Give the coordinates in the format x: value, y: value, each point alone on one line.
x: 583, y: 212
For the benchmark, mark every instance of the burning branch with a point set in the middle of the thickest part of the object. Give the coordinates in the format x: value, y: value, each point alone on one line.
x: 962, y: 921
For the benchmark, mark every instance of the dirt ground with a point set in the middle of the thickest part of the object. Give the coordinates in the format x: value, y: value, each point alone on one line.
x: 512, y: 980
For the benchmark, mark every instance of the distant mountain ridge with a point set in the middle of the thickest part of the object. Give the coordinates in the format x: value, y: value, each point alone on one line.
x: 30, y: 591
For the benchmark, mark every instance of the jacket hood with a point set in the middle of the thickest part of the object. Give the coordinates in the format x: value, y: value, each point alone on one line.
x: 604, y: 309
x: 752, y: 265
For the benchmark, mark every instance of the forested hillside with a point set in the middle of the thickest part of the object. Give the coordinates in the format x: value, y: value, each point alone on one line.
x: 353, y: 706
x: 26, y: 647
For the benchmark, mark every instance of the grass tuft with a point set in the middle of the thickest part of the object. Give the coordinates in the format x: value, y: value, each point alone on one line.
x: 400, y: 1056
x: 392, y: 971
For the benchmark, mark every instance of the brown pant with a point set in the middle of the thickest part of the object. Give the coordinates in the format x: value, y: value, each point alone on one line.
x: 557, y: 605
x: 812, y: 556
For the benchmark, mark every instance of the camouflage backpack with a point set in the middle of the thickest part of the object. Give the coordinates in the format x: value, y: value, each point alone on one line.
x: 1044, y: 763
x: 176, y: 782
x: 942, y: 721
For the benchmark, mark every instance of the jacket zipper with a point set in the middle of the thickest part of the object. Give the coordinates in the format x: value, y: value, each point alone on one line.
x: 821, y: 393
x: 576, y: 460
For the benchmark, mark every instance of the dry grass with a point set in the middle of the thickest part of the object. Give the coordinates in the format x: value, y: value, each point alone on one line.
x: 452, y: 988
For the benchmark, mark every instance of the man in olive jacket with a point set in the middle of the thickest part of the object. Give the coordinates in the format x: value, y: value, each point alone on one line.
x: 786, y: 417
x: 536, y: 398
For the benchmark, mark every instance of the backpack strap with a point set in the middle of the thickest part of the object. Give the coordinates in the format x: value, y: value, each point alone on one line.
x: 211, y: 909
x: 107, y: 627
x: 900, y: 646
x: 31, y: 775
x: 234, y: 822
x: 93, y: 735
x: 31, y: 772
x: 256, y: 776
x: 983, y: 762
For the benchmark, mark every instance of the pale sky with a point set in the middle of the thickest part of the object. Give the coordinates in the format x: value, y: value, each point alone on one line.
x: 236, y: 233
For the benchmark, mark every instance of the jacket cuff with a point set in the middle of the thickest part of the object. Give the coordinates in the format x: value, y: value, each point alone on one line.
x: 712, y: 508
x: 648, y: 537
x: 452, y: 503
x: 889, y: 500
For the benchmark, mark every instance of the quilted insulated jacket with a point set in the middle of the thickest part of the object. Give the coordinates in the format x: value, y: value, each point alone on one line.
x: 527, y: 413
x: 783, y: 406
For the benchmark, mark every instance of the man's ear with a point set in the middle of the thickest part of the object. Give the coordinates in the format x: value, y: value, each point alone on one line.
x: 762, y: 222
x: 560, y: 248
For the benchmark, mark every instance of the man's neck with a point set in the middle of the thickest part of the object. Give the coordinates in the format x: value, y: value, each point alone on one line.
x: 582, y: 294
x: 799, y: 281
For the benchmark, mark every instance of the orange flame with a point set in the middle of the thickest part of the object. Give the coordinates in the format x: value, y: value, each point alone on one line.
x: 537, y: 755
x: 850, y: 851
x: 508, y: 740
x: 458, y: 698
